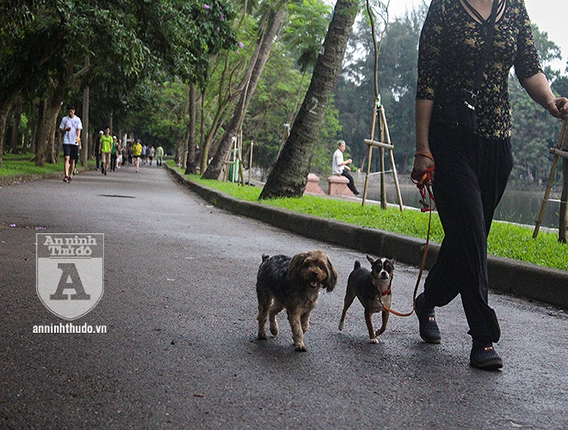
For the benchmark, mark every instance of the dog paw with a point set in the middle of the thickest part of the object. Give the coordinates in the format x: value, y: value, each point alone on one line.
x: 340, y: 326
x: 262, y: 336
x: 375, y: 340
x: 301, y: 347
x: 274, y: 329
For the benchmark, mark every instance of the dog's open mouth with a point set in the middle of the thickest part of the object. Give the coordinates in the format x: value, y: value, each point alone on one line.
x: 314, y: 284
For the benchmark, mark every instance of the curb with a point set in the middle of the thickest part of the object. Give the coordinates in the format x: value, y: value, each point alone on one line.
x: 15, y: 179
x: 505, y: 275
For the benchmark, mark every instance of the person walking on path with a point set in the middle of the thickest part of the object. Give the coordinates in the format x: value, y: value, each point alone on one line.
x: 143, y: 154
x: 472, y: 163
x: 113, y: 154
x: 71, y: 127
x: 98, y: 150
x: 340, y: 166
x: 151, y: 152
x: 106, y: 148
x: 159, y: 155
x: 136, y: 153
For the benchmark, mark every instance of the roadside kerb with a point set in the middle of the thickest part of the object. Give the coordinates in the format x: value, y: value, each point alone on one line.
x: 15, y: 179
x: 508, y: 276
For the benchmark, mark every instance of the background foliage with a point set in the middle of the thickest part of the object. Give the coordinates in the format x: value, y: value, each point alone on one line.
x: 144, y: 55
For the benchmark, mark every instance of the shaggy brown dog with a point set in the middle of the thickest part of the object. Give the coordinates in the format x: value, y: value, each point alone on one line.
x: 373, y: 289
x: 292, y: 284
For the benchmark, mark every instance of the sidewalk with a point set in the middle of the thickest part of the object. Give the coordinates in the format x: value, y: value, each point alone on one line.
x: 505, y: 275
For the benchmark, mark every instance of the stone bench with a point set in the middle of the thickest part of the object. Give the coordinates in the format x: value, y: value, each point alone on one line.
x: 337, y: 185
x: 312, y: 186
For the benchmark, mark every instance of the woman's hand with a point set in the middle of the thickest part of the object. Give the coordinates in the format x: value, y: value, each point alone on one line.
x: 558, y: 107
x: 422, y: 162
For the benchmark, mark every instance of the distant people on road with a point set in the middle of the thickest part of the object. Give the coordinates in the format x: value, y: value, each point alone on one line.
x: 129, y: 155
x: 143, y: 154
x: 98, y: 150
x: 136, y: 153
x: 71, y: 127
x: 340, y: 166
x: 106, y: 148
x: 151, y: 152
x: 113, y: 154
x: 119, y: 152
x: 159, y: 155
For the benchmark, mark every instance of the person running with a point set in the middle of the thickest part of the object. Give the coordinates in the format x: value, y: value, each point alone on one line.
x: 70, y: 127
x: 136, y: 153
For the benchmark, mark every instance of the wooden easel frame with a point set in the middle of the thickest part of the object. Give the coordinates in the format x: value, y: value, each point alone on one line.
x: 561, y: 151
x: 237, y: 144
x: 379, y: 111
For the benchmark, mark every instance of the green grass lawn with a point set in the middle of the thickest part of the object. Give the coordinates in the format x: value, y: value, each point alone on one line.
x: 505, y: 240
x: 20, y: 164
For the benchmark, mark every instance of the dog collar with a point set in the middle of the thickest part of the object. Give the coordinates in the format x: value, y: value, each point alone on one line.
x: 386, y: 293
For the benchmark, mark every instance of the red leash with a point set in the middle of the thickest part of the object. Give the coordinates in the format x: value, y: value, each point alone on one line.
x: 423, y: 181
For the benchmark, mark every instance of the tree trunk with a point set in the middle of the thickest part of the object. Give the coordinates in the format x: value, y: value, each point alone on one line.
x: 15, y: 138
x: 216, y: 166
x: 289, y: 176
x: 47, y: 129
x: 191, y: 165
x: 5, y: 108
x: 85, y: 143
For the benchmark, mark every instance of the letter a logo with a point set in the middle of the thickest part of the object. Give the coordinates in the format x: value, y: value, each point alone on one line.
x: 70, y: 272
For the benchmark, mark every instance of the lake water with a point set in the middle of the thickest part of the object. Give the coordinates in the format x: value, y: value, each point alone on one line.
x: 516, y: 206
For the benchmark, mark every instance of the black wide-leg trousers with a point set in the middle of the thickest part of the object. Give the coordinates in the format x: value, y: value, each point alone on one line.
x: 470, y: 178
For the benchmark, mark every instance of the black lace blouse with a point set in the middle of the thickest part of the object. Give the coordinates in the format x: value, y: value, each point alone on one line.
x: 450, y: 50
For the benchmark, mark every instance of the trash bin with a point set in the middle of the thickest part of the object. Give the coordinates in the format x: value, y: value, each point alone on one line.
x: 234, y: 166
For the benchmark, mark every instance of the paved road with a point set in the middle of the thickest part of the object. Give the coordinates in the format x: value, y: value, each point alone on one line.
x: 180, y: 352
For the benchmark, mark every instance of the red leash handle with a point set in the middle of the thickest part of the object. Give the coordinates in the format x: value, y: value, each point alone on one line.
x: 423, y: 181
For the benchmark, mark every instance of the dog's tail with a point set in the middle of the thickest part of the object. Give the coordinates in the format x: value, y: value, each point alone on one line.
x: 357, y: 265
x: 265, y: 257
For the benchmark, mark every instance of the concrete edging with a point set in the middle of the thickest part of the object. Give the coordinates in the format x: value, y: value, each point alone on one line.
x: 508, y: 276
x: 15, y: 179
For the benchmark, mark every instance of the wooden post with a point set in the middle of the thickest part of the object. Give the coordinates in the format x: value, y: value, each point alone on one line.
x: 239, y: 157
x: 562, y: 142
x: 370, y: 152
x: 250, y: 160
x: 563, y: 213
x: 371, y: 143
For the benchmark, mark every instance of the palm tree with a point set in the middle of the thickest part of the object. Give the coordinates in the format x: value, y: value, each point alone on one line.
x: 289, y: 176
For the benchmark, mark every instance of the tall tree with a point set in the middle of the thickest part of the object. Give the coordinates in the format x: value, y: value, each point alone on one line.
x: 217, y: 163
x: 290, y: 174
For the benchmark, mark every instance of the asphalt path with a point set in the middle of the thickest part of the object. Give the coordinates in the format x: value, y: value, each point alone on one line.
x: 180, y: 350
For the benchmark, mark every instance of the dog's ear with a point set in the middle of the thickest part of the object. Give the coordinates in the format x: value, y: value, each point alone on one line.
x: 371, y: 260
x: 331, y: 276
x: 294, y: 267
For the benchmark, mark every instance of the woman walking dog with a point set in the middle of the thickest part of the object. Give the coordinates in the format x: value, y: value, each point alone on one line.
x: 463, y: 130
